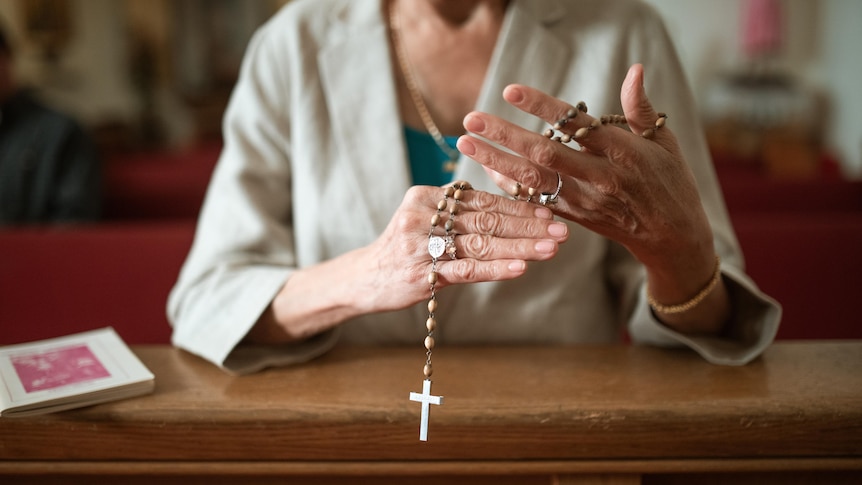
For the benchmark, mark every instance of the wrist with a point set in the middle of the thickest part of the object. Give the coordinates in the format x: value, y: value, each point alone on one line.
x: 671, y: 308
x: 681, y: 274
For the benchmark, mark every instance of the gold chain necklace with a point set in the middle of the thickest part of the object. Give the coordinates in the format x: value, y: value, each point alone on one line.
x: 416, y: 95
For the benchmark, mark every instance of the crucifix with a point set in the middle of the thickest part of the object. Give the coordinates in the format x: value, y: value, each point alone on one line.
x: 426, y: 399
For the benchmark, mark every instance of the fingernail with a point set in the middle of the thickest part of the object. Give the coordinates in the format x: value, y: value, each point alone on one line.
x: 543, y: 213
x: 514, y: 95
x: 558, y: 229
x: 466, y: 146
x: 517, y: 266
x: 545, y: 246
x: 474, y: 123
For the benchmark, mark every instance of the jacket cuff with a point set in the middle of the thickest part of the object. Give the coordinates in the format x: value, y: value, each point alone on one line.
x: 753, y: 326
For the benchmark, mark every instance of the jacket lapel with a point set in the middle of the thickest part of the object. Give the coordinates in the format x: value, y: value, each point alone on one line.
x: 356, y: 73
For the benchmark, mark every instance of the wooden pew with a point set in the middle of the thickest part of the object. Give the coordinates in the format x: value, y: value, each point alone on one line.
x: 526, y: 415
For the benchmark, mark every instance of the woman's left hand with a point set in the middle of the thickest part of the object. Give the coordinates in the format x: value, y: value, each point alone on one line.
x: 637, y: 191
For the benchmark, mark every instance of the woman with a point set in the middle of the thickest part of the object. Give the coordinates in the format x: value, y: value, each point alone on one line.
x: 311, y: 232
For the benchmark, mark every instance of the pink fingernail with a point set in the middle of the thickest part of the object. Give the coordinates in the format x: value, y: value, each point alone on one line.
x: 558, y: 229
x: 545, y: 246
x: 466, y: 146
x: 514, y: 95
x: 517, y: 266
x: 474, y: 123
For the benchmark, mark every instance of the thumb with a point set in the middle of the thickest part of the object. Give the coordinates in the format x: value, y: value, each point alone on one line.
x: 636, y: 106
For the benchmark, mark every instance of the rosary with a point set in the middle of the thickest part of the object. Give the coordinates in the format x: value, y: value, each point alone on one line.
x: 436, y: 247
x: 439, y: 245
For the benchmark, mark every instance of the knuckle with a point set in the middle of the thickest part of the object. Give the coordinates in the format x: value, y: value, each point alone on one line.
x: 489, y: 223
x: 404, y: 222
x: 544, y: 154
x: 609, y: 188
x: 415, y: 194
x: 465, y: 269
x: 478, y: 247
x: 502, y: 136
x: 531, y: 177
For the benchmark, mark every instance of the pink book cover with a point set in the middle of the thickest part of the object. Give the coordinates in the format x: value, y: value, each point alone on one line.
x: 55, y: 368
x: 68, y: 372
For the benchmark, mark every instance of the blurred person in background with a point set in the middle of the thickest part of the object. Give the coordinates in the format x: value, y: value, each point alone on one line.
x: 49, y: 168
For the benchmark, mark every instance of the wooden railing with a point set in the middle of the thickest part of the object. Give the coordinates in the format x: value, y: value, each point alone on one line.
x: 582, y: 414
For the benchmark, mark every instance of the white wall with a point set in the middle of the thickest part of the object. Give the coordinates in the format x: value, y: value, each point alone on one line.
x: 824, y: 50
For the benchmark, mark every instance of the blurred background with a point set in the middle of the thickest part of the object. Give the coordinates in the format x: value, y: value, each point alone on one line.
x: 776, y: 82
x: 157, y: 73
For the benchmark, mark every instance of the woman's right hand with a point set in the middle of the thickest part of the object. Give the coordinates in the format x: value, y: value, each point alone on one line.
x: 495, y: 237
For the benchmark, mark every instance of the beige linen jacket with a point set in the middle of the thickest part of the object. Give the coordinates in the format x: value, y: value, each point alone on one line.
x: 314, y: 165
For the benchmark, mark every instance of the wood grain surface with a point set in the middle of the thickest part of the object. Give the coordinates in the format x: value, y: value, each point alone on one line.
x: 623, y: 409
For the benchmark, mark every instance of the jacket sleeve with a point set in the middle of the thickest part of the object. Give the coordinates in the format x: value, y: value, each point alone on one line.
x: 244, y: 248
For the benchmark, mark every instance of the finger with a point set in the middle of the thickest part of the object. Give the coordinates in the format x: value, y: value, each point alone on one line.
x: 597, y: 135
x: 510, y: 186
x: 531, y: 159
x: 479, y: 201
x: 513, y: 187
x: 533, y: 178
x: 478, y: 271
x: 489, y: 248
x: 502, y: 226
x: 636, y: 106
x: 535, y: 147
x: 642, y: 117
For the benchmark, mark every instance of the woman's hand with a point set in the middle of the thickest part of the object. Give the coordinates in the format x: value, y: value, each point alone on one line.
x: 494, y: 238
x: 639, y: 192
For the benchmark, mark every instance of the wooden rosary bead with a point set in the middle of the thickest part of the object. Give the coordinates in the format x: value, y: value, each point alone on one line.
x: 428, y: 370
x: 660, y: 122
x: 432, y: 305
x: 435, y: 220
x: 582, y: 132
x: 606, y: 119
x: 516, y: 190
x: 431, y: 324
x: 432, y: 278
x: 429, y: 342
x: 442, y: 204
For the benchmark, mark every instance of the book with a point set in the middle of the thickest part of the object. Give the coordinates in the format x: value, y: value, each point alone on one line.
x: 69, y: 372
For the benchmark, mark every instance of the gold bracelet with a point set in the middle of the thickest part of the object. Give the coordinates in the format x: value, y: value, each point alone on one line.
x: 684, y: 307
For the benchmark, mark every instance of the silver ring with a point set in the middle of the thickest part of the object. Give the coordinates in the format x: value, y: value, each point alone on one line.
x: 551, y: 199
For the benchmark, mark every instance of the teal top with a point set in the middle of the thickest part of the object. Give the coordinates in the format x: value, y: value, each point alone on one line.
x: 426, y: 158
